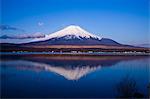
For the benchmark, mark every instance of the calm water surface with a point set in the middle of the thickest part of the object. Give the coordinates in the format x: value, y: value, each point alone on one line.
x: 34, y: 76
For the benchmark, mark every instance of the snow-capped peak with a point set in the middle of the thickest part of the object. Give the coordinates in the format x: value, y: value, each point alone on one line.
x: 72, y: 30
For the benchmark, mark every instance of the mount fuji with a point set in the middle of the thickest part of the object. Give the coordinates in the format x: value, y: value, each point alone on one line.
x: 73, y: 35
x: 71, y: 38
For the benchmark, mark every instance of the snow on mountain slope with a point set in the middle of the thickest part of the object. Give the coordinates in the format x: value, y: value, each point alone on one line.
x: 69, y: 32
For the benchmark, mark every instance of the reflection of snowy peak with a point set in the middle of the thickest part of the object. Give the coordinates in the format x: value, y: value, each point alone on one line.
x: 72, y: 74
x: 70, y: 32
x: 67, y: 72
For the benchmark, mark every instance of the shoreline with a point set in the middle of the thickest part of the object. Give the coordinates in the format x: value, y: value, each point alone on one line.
x: 77, y: 54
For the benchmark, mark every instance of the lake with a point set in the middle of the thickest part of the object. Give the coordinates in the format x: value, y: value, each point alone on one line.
x: 71, y: 76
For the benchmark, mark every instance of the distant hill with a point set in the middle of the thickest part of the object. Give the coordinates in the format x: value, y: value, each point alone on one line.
x: 144, y: 45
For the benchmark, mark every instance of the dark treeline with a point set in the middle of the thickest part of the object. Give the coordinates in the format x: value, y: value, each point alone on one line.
x: 31, y: 49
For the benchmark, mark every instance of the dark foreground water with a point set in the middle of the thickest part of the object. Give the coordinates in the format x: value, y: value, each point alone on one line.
x: 39, y: 76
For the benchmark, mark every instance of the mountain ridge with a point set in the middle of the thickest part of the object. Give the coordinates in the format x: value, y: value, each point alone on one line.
x: 73, y: 35
x: 72, y: 38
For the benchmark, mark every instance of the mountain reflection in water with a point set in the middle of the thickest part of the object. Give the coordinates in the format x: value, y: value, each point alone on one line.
x: 64, y: 76
x: 70, y: 73
x: 70, y: 67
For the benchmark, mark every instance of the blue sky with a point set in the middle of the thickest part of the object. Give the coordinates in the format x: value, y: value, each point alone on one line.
x: 125, y: 21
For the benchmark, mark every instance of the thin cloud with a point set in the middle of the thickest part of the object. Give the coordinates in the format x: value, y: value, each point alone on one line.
x: 40, y: 23
x: 24, y: 36
x: 7, y: 27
